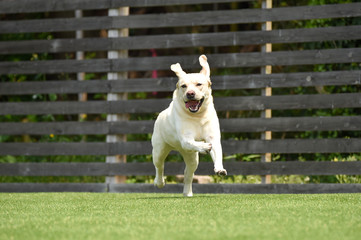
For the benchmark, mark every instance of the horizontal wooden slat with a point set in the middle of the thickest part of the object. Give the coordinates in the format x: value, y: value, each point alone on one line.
x: 231, y: 60
x: 258, y: 103
x: 178, y: 188
x: 26, y: 6
x: 72, y: 128
x: 250, y: 81
x: 172, y: 168
x: 289, y: 102
x: 286, y: 168
x: 182, y: 40
x: 184, y: 19
x: 54, y: 187
x: 81, y: 149
x: 144, y: 148
x: 292, y: 146
x: 241, y: 188
x: 56, y: 107
x: 291, y: 124
x: 73, y: 86
x: 284, y: 124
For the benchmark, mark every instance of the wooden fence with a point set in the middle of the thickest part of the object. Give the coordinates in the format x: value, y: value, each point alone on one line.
x: 229, y: 33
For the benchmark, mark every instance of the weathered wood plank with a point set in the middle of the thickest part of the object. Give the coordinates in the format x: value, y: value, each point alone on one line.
x: 228, y: 60
x: 241, y: 188
x: 291, y: 124
x: 145, y: 148
x: 81, y: 149
x: 56, y: 66
x: 152, y: 3
x: 178, y: 188
x: 292, y: 146
x: 184, y: 19
x: 62, y: 87
x: 73, y: 128
x: 182, y: 40
x: 26, y: 6
x: 273, y: 188
x: 283, y: 102
x: 63, y: 149
x: 278, y: 124
x: 286, y: 168
x: 172, y: 168
x: 54, y: 187
x: 82, y: 169
x: 249, y: 81
x: 258, y: 103
x: 55, y: 107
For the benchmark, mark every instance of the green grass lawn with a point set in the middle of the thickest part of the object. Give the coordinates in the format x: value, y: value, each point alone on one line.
x: 170, y: 216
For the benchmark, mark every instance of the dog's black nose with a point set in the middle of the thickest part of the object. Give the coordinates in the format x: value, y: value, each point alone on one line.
x: 191, y: 94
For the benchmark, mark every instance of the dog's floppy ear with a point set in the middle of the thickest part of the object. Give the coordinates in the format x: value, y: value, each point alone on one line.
x: 177, y: 69
x: 205, y: 67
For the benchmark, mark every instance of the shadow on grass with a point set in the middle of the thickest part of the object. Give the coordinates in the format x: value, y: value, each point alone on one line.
x: 180, y: 196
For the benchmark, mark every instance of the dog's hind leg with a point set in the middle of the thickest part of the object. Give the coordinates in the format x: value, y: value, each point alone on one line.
x: 160, y: 152
x: 191, y: 160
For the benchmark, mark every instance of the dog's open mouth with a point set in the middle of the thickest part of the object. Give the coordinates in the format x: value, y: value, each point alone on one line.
x: 194, y: 105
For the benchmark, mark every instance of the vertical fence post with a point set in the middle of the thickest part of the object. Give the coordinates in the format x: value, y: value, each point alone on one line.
x: 79, y: 34
x: 112, y: 76
x: 267, y: 113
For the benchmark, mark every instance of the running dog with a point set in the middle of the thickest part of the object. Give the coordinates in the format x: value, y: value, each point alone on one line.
x: 189, y: 125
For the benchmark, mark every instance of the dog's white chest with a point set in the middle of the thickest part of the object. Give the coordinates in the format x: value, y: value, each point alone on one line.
x: 196, y: 129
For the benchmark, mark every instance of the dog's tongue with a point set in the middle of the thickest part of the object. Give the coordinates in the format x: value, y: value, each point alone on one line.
x: 192, y: 104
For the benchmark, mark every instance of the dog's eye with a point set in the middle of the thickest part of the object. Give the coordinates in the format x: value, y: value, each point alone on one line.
x: 183, y: 86
x: 199, y: 84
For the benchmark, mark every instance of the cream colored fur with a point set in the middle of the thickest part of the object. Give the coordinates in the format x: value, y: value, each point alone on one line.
x: 189, y: 128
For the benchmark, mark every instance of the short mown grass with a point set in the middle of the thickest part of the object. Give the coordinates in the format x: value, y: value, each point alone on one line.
x: 170, y: 216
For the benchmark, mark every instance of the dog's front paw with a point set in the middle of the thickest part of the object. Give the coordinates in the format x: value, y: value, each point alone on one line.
x: 160, y: 183
x: 205, y: 148
x: 221, y: 172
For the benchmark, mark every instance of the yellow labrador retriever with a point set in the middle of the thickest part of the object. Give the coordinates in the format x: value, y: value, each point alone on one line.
x: 189, y: 125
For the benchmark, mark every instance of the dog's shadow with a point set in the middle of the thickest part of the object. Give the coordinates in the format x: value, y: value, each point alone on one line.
x: 176, y: 197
